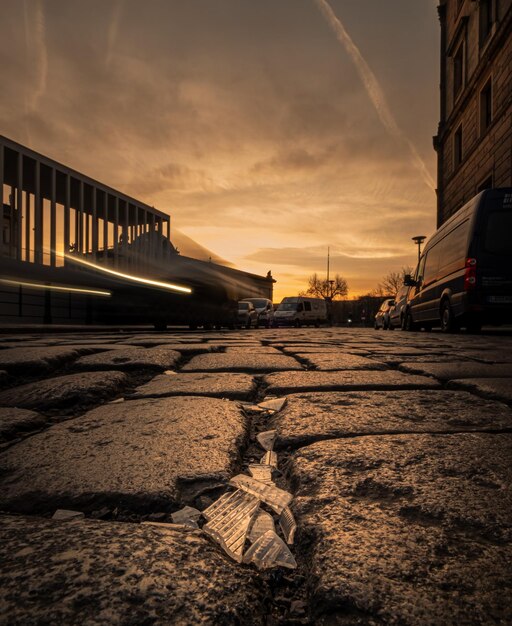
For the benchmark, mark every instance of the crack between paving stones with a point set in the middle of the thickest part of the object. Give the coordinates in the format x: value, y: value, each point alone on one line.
x: 282, y: 587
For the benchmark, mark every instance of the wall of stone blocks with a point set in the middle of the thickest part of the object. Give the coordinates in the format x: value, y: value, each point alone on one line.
x: 484, y: 154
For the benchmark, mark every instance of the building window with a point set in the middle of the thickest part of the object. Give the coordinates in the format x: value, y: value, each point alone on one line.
x: 486, y: 107
x: 486, y: 19
x: 458, y: 71
x: 457, y: 147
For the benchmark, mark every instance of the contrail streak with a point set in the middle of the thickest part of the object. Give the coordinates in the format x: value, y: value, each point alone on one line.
x: 373, y: 89
x: 35, y: 40
x: 113, y: 29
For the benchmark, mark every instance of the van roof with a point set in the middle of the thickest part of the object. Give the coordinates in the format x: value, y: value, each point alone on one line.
x: 465, y: 212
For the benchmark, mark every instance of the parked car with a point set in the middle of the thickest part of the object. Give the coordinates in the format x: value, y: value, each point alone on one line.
x: 382, y: 316
x: 264, y: 309
x: 397, y: 311
x: 247, y: 315
x: 300, y: 311
x: 464, y: 276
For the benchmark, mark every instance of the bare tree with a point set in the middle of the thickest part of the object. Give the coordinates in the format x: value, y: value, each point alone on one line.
x: 337, y: 288
x: 392, y: 282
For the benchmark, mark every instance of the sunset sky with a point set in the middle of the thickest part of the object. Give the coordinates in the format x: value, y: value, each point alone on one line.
x: 266, y: 128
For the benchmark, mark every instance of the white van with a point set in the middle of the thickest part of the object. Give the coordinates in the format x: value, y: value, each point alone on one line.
x: 299, y: 310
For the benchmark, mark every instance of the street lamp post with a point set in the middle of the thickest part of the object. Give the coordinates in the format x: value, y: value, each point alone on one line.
x: 418, y: 240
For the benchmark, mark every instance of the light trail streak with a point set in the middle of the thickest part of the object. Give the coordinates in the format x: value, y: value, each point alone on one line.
x: 18, y: 283
x: 136, y: 279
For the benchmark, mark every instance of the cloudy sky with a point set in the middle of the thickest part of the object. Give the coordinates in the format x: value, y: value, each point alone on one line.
x: 268, y: 129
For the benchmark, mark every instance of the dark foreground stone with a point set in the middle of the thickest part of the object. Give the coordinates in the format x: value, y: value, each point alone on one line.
x: 222, y: 385
x: 407, y: 529
x: 84, y: 388
x: 89, y: 572
x: 310, y: 417
x: 130, y: 358
x: 14, y: 422
x: 139, y: 456
x: 290, y: 382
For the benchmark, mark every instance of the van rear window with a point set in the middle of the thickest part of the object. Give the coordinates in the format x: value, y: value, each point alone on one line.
x: 498, y: 233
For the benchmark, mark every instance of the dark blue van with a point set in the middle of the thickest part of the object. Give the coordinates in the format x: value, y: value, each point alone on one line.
x: 464, y: 276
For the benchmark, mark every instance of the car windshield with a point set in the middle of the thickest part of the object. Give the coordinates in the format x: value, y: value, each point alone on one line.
x: 243, y: 306
x: 261, y: 303
x: 288, y: 306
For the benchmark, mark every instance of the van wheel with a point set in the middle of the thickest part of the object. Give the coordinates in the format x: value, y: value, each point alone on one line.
x: 402, y: 322
x: 448, y: 323
x: 297, y: 324
x: 409, y: 324
x: 385, y: 325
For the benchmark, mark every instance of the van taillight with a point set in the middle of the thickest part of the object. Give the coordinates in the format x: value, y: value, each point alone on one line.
x: 470, y: 274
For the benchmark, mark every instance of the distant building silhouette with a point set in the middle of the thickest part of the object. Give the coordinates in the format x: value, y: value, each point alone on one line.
x: 474, y: 140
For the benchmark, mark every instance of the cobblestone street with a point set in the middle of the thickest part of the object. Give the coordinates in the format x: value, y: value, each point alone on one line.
x: 396, y: 447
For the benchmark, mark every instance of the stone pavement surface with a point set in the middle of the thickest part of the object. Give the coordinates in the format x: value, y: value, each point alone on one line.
x: 396, y: 447
x: 86, y: 388
x: 220, y: 384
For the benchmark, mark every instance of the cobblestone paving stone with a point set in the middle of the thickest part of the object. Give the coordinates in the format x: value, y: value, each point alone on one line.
x: 330, y: 362
x: 319, y: 349
x: 254, y: 349
x: 398, y: 359
x: 310, y: 417
x: 91, y: 572
x: 449, y: 371
x: 241, y: 361
x: 141, y: 455
x: 219, y: 384
x: 130, y: 358
x: 35, y: 360
x: 183, y: 348
x: 86, y: 388
x: 405, y: 528
x: 497, y: 388
x: 488, y: 356
x: 409, y: 529
x: 17, y: 421
x: 288, y: 382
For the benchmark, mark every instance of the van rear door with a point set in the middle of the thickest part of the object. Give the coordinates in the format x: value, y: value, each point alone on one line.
x: 493, y: 254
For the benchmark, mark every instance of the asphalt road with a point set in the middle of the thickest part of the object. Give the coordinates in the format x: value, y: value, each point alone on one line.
x: 396, y: 447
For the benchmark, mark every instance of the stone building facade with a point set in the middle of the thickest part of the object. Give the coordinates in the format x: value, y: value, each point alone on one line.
x: 474, y: 140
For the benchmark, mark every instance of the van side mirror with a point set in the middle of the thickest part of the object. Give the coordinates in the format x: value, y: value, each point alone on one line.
x: 409, y: 281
